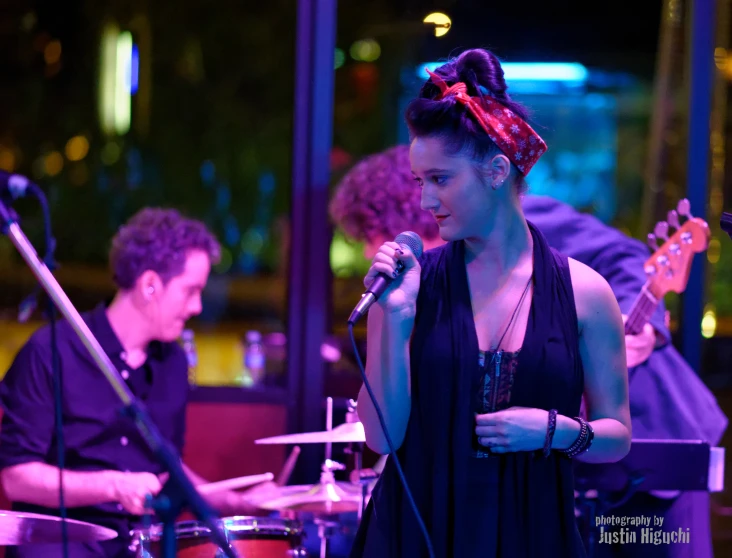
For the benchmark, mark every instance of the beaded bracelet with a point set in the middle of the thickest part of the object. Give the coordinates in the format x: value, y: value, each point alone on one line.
x: 550, y: 429
x: 583, y: 441
x: 590, y: 437
x: 572, y: 450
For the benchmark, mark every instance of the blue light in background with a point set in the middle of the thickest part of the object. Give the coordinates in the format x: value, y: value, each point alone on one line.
x: 266, y: 183
x: 208, y: 172
x: 134, y: 168
x: 529, y: 71
x: 251, y: 245
x: 134, y: 69
x: 231, y: 231
x: 102, y: 181
x: 223, y: 197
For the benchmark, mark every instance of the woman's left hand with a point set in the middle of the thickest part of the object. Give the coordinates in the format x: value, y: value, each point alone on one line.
x: 513, y: 429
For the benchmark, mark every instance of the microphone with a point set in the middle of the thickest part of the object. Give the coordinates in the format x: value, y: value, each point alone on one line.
x: 16, y: 184
x: 407, y: 239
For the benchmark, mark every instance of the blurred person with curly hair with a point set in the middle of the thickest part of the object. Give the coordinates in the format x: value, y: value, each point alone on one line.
x: 378, y: 198
x: 160, y: 262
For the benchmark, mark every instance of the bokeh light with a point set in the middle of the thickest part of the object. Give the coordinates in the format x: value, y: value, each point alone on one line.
x: 77, y: 148
x: 441, y: 22
x: 365, y: 50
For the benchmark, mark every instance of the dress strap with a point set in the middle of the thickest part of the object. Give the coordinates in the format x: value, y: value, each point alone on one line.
x: 515, y: 312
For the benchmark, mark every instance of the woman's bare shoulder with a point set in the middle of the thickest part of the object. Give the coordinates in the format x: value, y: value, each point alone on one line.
x: 593, y: 297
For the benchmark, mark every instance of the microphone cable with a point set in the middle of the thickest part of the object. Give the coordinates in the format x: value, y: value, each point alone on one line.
x: 392, y: 451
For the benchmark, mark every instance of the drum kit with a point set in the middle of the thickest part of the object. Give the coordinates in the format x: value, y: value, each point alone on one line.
x: 259, y: 537
x: 326, y: 502
x: 20, y: 528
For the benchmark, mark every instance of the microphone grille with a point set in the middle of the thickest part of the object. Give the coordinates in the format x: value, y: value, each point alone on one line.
x: 412, y: 241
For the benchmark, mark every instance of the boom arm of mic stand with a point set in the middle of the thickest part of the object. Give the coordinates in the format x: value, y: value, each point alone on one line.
x: 178, y: 483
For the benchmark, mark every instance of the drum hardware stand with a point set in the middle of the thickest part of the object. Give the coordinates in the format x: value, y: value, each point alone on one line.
x: 178, y: 490
x: 327, y: 478
x: 326, y: 475
x: 363, y: 478
x: 356, y: 450
x: 326, y: 529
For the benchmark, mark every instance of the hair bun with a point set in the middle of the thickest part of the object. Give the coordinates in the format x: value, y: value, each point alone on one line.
x: 481, y: 69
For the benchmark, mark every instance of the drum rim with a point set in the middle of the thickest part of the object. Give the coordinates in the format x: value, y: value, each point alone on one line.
x: 233, y: 524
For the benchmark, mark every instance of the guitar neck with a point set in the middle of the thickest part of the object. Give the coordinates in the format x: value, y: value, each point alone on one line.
x: 641, y: 311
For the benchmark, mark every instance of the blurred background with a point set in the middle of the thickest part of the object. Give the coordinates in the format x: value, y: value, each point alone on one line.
x: 112, y: 106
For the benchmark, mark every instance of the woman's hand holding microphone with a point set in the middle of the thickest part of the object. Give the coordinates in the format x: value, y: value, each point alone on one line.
x: 399, y: 263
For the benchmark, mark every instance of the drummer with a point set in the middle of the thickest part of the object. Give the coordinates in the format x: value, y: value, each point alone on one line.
x: 160, y: 262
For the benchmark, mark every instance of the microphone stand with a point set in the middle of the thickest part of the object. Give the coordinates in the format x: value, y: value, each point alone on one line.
x: 178, y: 491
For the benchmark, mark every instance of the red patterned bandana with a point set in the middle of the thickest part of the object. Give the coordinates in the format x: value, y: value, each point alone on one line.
x: 511, y: 133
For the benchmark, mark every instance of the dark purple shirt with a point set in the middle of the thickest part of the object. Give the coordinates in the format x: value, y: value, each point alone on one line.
x: 96, y: 435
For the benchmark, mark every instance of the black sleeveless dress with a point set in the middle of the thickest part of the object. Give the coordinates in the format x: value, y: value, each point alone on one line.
x: 510, y: 505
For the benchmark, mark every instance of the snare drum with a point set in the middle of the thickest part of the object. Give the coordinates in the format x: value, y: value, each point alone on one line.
x: 255, y: 537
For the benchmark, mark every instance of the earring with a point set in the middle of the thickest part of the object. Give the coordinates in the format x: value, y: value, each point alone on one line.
x: 150, y: 289
x: 497, y: 184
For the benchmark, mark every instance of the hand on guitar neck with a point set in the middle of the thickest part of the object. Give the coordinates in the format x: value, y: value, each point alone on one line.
x: 667, y: 270
x: 638, y: 347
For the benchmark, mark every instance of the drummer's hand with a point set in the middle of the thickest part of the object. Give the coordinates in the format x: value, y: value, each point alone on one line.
x: 262, y: 489
x: 132, y: 489
x: 247, y: 502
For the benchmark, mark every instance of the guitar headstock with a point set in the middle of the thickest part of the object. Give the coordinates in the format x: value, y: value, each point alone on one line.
x: 669, y: 267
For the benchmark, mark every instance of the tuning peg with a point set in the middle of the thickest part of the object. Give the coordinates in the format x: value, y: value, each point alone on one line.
x: 662, y: 261
x: 652, y: 242
x: 684, y: 208
x: 673, y: 219
x: 661, y: 230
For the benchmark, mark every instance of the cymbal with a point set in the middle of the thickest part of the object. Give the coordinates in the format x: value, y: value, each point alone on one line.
x: 344, y: 433
x: 17, y: 528
x: 323, y: 498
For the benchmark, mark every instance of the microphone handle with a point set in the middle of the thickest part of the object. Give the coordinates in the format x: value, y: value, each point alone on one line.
x: 369, y: 297
x: 375, y: 290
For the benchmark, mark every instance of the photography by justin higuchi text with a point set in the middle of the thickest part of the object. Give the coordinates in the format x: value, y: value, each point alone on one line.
x: 643, y: 529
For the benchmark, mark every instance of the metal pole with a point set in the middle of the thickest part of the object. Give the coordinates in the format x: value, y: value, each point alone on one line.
x: 701, y: 71
x: 310, y: 278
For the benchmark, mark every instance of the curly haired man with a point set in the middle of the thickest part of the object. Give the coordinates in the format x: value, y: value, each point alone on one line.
x: 160, y: 262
